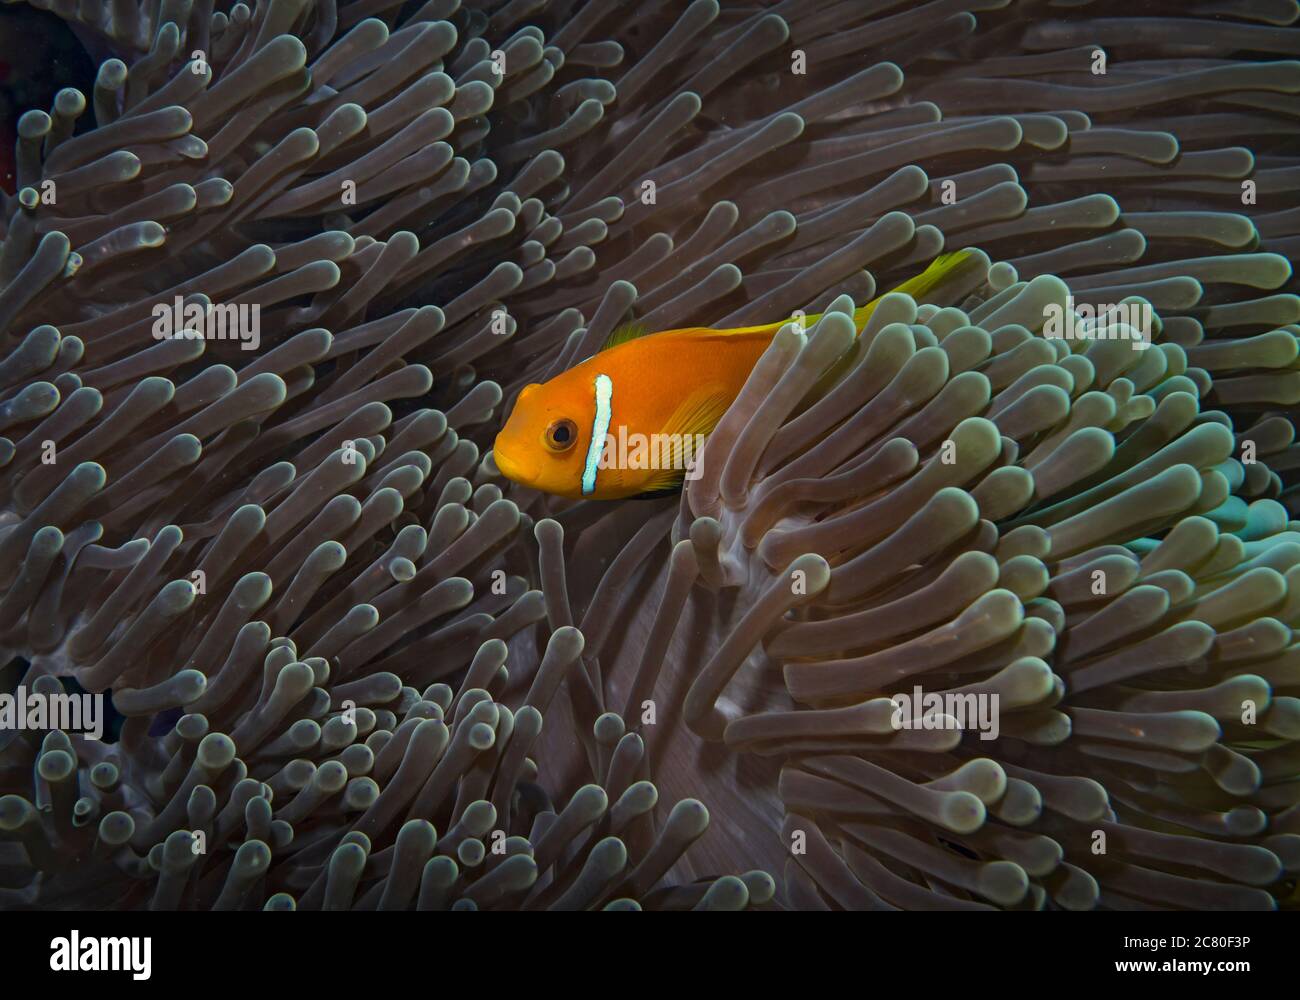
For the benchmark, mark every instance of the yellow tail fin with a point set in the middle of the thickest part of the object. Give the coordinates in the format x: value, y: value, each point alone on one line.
x: 940, y: 268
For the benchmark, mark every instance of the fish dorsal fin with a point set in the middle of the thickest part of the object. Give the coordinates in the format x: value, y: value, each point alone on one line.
x: 697, y: 414
x: 631, y: 330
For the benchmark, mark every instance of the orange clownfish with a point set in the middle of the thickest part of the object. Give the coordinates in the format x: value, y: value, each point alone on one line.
x: 626, y: 421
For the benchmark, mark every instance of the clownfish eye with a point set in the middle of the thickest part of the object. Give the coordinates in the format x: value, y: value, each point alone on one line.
x: 562, y: 435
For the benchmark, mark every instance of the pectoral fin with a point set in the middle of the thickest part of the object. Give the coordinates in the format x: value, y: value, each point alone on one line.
x: 692, y: 421
x: 698, y: 413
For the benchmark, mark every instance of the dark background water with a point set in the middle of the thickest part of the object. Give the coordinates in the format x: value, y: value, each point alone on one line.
x: 39, y: 55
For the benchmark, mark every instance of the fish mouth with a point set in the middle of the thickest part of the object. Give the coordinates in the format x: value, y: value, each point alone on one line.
x: 511, y: 469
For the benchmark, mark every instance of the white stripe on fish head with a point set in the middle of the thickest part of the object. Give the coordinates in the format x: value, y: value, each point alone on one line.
x: 599, y: 429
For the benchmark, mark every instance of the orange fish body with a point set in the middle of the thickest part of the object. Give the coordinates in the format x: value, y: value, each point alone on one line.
x: 646, y: 378
x: 628, y: 420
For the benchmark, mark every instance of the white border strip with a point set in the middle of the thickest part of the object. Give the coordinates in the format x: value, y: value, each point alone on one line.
x: 599, y: 429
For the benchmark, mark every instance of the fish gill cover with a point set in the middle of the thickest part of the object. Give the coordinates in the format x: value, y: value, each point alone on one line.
x: 270, y: 285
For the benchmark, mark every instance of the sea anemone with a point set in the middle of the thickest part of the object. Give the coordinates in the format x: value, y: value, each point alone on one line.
x: 358, y: 668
